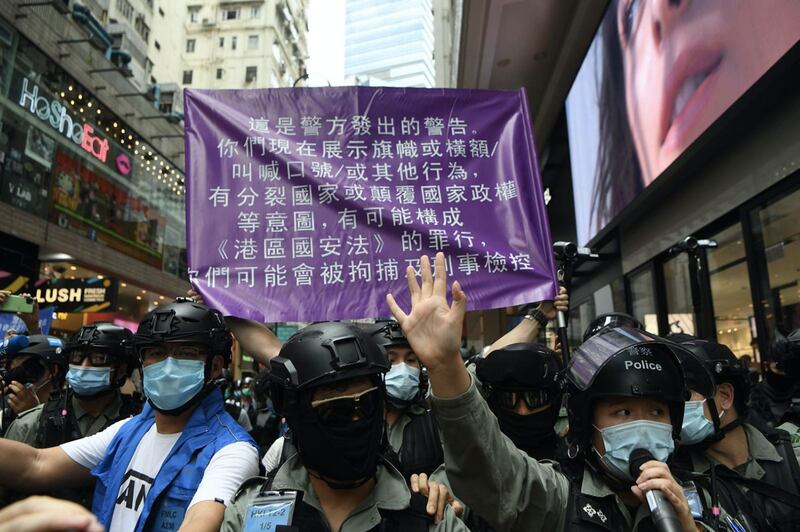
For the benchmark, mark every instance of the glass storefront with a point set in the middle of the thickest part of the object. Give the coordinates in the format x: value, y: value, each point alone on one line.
x: 643, y: 300
x: 65, y: 157
x: 680, y: 313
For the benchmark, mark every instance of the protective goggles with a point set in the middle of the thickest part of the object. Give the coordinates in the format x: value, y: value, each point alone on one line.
x: 338, y: 411
x: 96, y: 357
x: 159, y: 352
x: 509, y: 399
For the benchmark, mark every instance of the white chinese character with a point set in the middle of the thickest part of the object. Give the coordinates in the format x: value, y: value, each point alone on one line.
x: 360, y: 124
x: 219, y: 196
x: 386, y: 270
x: 356, y: 171
x: 505, y: 190
x: 303, y: 274
x: 455, y: 193
x: 357, y: 245
x: 273, y: 248
x: 247, y: 196
x: 268, y: 172
x: 401, y: 216
x: 274, y: 196
x: 250, y: 142
x: 302, y: 247
x: 295, y: 169
x: 431, y: 194
x: 468, y: 263
x: 478, y: 148
x: 430, y: 148
x: 382, y: 172
x: 480, y: 193
x: 303, y: 221
x: 227, y: 148
x: 407, y: 171
x: 360, y: 271
x: 380, y: 194
x: 347, y: 219
x: 245, y: 275
x: 331, y: 149
x: 437, y: 239
x: 452, y: 217
x: 216, y: 271
x: 330, y: 245
x: 279, y: 146
x: 457, y: 126
x: 332, y: 273
x: 382, y: 149
x: 456, y: 148
x: 520, y: 261
x: 301, y: 195
x: 311, y: 125
x: 336, y: 124
x: 322, y: 170
x: 411, y: 241
x: 354, y: 192
x: 405, y: 195
x: 406, y: 148
x: 248, y: 221
x: 434, y: 126
x: 276, y: 222
x: 466, y: 235
x: 274, y: 275
x: 357, y: 149
x: 305, y: 149
x: 432, y: 170
x: 242, y: 171
x: 427, y: 217
x: 495, y: 262
x: 456, y: 172
x: 409, y: 126
x: 327, y: 194
x: 385, y: 126
x: 285, y: 125
x: 374, y: 216
x: 245, y: 249
x: 259, y: 124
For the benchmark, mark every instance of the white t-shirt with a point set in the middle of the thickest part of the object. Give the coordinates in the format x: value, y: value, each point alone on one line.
x: 226, y: 471
x: 272, y: 458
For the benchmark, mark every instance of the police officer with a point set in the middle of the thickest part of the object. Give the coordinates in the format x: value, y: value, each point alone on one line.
x: 611, y: 320
x: 776, y: 399
x: 177, y: 463
x: 35, y: 372
x: 522, y: 390
x: 100, y: 358
x: 762, y: 468
x: 626, y: 392
x: 327, y: 382
x: 411, y: 429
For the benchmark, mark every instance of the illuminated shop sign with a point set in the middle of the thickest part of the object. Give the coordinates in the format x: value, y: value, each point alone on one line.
x: 81, y: 133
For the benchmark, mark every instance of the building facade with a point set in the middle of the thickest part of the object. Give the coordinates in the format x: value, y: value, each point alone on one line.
x: 251, y: 44
x: 390, y: 43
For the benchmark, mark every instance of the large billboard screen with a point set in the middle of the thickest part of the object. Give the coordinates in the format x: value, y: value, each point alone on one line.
x: 657, y: 75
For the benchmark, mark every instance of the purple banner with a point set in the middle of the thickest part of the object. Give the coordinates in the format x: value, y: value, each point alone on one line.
x: 309, y: 204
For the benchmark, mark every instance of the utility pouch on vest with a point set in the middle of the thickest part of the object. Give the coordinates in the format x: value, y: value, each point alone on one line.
x: 272, y: 511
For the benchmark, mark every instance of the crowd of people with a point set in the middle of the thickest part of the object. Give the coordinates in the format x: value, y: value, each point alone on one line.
x: 354, y: 428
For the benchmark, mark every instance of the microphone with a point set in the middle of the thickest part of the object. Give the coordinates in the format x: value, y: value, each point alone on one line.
x: 661, y: 511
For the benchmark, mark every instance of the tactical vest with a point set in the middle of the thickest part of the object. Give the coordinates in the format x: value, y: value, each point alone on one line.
x: 308, y: 519
x: 421, y: 450
x: 58, y: 423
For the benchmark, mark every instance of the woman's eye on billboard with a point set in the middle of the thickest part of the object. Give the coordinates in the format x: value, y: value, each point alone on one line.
x: 658, y: 74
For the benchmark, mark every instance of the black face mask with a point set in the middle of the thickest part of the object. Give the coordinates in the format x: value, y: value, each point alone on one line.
x: 344, y: 456
x: 533, y: 434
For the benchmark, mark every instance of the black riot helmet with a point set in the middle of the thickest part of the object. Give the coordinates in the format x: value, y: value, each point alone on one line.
x: 723, y: 366
x: 785, y: 352
x: 698, y: 376
x: 321, y: 354
x: 387, y: 334
x: 522, y: 367
x: 43, y: 348
x: 611, y: 320
x: 111, y: 338
x: 185, y: 321
x: 622, y: 362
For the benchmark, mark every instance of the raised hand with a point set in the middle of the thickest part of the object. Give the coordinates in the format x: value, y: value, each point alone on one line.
x: 433, y: 327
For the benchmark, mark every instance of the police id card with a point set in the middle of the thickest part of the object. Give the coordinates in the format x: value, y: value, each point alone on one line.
x: 270, y: 510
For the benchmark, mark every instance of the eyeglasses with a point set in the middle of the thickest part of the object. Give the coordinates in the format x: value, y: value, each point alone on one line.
x: 96, y: 358
x: 344, y: 409
x: 157, y: 353
x: 509, y: 399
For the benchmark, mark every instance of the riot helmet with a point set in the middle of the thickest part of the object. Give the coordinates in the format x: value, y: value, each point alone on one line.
x: 42, y: 352
x: 611, y: 320
x: 405, y: 384
x: 785, y: 352
x: 105, y: 344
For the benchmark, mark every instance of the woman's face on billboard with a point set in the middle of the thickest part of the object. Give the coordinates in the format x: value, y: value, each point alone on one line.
x: 686, y: 61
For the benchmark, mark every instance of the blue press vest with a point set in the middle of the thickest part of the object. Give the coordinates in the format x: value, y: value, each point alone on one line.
x: 208, y: 430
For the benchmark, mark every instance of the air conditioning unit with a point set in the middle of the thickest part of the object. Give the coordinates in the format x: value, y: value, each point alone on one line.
x: 208, y: 22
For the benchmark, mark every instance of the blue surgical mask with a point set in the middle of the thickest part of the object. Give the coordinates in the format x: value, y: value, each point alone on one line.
x: 621, y: 440
x: 88, y: 380
x: 696, y: 427
x: 402, y: 382
x: 173, y: 382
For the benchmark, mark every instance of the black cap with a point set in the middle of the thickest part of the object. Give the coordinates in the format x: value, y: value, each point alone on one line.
x: 48, y: 348
x: 623, y: 362
x: 185, y: 322
x: 522, y: 366
x: 321, y: 354
x: 611, y: 320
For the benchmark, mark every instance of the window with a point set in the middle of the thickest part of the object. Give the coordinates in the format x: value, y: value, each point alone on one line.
x: 230, y: 14
x: 125, y: 9
x: 160, y: 11
x: 680, y: 311
x: 252, y: 42
x: 190, y: 43
x: 255, y: 12
x: 194, y: 14
x: 165, y: 105
x: 158, y: 46
x: 276, y: 52
x: 187, y: 77
x: 142, y: 28
x: 643, y: 300
x: 219, y: 73
x: 233, y: 43
x: 250, y: 74
x: 222, y: 42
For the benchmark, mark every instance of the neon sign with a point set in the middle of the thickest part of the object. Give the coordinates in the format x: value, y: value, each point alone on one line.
x: 55, y: 113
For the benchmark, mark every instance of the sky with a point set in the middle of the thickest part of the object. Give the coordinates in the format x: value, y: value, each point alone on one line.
x: 326, y: 43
